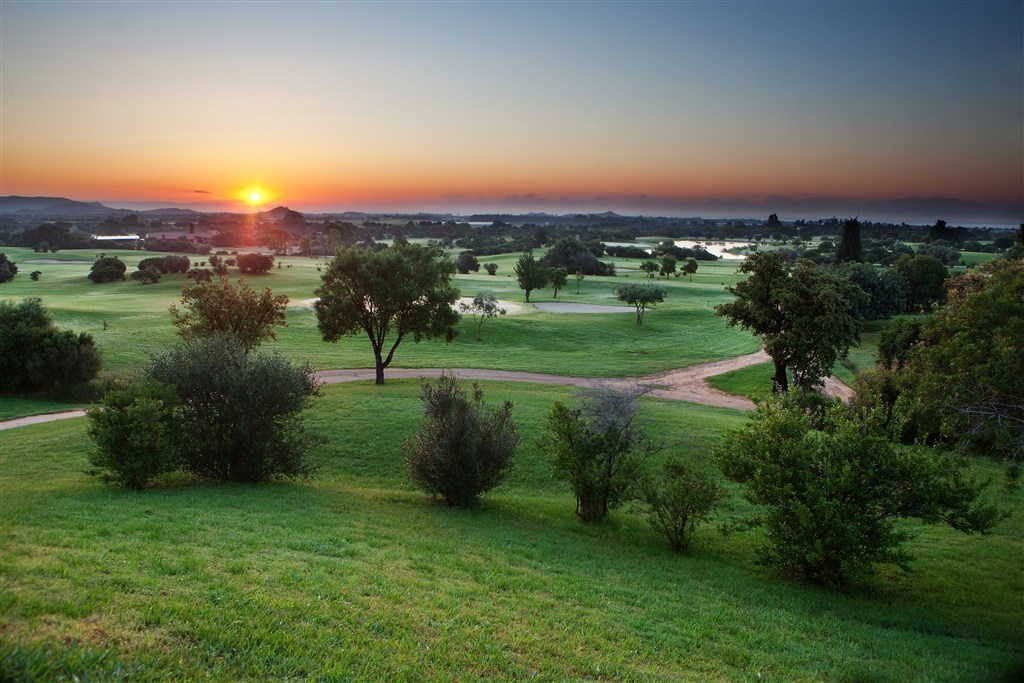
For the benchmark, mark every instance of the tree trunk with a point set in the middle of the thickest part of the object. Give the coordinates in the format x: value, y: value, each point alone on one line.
x: 527, y: 296
x: 380, y: 367
x: 780, y: 382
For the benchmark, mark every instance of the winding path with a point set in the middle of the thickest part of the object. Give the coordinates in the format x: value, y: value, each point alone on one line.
x: 687, y: 384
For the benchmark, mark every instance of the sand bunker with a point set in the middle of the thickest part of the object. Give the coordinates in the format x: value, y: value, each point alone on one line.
x: 559, y: 307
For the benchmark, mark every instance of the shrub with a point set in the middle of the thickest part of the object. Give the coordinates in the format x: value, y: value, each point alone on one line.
x: 107, y: 270
x: 829, y: 498
x: 221, y: 308
x: 677, y: 502
x: 254, y: 263
x: 491, y: 268
x: 464, y: 448
x: 599, y: 448
x: 147, y: 276
x: 7, y: 268
x: 175, y: 264
x: 154, y: 262
x: 200, y: 275
x: 136, y: 434
x: 240, y: 412
x: 36, y: 355
x: 35, y: 274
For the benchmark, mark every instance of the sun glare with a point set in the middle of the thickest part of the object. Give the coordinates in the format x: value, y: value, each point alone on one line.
x: 253, y: 196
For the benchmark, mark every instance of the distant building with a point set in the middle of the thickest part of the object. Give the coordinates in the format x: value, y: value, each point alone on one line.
x: 116, y: 238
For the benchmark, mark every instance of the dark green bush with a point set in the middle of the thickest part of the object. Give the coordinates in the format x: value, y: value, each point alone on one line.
x: 147, y: 276
x: 107, y: 270
x: 829, y: 498
x: 254, y: 263
x: 240, y: 412
x: 136, y: 433
x: 35, y: 355
x: 678, y: 501
x: 464, y: 448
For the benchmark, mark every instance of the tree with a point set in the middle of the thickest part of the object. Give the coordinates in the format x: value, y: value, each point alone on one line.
x: 530, y: 274
x: 668, y: 265
x: 388, y: 294
x: 491, y: 268
x: 690, y: 267
x: 557, y: 277
x: 255, y: 264
x: 967, y: 370
x: 572, y: 254
x: 849, y: 244
x: 885, y: 289
x: 147, y: 276
x: 35, y: 275
x: 107, y: 270
x: 641, y: 296
x: 34, y: 354
x: 468, y: 262
x: 579, y: 279
x: 214, y: 308
x: 599, y: 447
x: 483, y: 307
x: 830, y: 490
x: 803, y: 314
x: 8, y: 269
x: 650, y: 267
x: 678, y: 501
x: 464, y: 448
x: 240, y: 412
x: 925, y: 277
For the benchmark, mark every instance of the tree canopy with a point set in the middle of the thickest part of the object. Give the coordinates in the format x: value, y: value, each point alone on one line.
x: 388, y: 294
x: 641, y: 296
x: 212, y: 308
x: 531, y: 274
x: 804, y: 315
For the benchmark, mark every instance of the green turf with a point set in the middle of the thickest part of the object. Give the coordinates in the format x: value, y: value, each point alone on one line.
x: 17, y: 406
x: 352, y: 576
x: 130, y: 321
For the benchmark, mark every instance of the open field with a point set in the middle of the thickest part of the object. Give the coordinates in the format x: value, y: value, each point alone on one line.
x: 351, y: 576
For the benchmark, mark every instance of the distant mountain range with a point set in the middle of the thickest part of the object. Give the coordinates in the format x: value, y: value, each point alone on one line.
x: 62, y: 207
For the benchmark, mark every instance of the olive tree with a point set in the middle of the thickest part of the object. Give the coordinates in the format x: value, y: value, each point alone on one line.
x: 214, y: 308
x: 483, y: 307
x: 641, y: 297
x: 531, y: 274
x: 388, y: 294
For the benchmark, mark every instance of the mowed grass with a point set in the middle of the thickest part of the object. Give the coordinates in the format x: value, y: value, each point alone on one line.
x: 353, y: 576
x: 130, y: 321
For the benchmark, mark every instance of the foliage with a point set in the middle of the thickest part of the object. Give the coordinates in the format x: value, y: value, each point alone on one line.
x: 558, y: 278
x: 464, y: 448
x: 968, y: 368
x: 668, y: 265
x: 690, y: 267
x: 849, y: 248
x: 240, y: 412
x: 531, y: 274
x: 147, y: 276
x: 107, y: 270
x: 404, y: 289
x: 650, y: 267
x: 255, y: 264
x: 35, y: 355
x: 213, y: 308
x: 885, y: 288
x: 641, y: 296
x: 681, y: 499
x: 803, y: 314
x: 573, y: 255
x: 468, y: 262
x: 173, y: 263
x: 491, y: 268
x: 599, y: 447
x: 483, y: 307
x: 829, y: 494
x: 897, y: 341
x: 135, y: 433
x: 925, y: 277
x: 200, y: 275
x: 8, y: 269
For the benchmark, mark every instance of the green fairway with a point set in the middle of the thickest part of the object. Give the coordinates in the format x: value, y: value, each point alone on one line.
x: 129, y: 321
x: 352, y: 576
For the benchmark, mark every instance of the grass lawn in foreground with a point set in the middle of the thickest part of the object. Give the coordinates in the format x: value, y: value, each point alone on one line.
x: 352, y: 576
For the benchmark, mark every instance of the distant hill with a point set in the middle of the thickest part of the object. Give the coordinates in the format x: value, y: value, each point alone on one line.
x: 169, y: 211
x: 57, y: 207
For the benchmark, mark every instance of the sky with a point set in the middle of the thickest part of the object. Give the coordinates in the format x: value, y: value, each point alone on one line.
x: 805, y: 109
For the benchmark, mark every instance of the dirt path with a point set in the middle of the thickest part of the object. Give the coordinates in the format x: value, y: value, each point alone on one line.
x: 687, y: 384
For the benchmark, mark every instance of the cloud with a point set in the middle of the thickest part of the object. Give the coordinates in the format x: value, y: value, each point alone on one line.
x: 202, y: 192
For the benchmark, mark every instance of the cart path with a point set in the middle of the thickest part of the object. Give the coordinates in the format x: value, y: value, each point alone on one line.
x: 687, y: 384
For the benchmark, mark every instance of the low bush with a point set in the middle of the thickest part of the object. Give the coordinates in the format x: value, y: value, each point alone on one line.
x: 254, y: 263
x: 678, y: 501
x: 464, y: 448
x: 135, y: 432
x: 107, y: 270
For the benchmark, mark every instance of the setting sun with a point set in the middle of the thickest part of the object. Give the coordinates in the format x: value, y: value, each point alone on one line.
x: 254, y: 197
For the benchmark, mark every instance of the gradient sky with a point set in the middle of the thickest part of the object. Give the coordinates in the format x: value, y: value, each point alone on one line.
x: 652, y: 108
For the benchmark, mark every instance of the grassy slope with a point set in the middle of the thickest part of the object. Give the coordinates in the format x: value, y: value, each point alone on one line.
x: 352, y: 577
